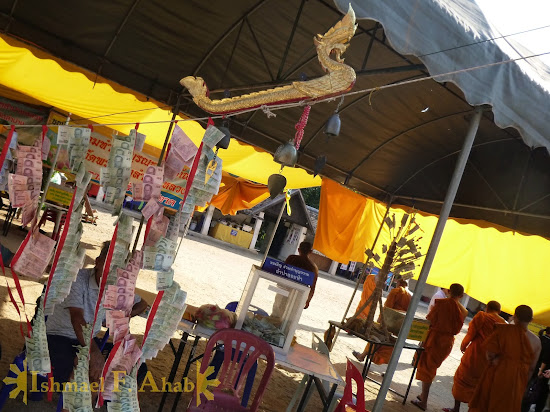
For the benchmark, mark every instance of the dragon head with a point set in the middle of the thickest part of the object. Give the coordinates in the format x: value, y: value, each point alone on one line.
x: 195, y: 85
x: 336, y: 40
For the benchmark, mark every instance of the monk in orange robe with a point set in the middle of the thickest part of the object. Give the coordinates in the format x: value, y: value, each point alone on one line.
x: 446, y: 320
x: 398, y: 299
x: 368, y: 287
x: 512, y: 352
x: 474, y: 361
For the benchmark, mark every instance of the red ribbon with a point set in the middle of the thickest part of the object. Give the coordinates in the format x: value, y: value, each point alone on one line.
x: 60, y: 245
x: 91, y: 127
x: 151, y: 316
x: 148, y: 227
x: 44, y: 131
x: 300, y: 126
x: 210, y: 122
x: 11, y: 295
x: 192, y: 174
x: 106, y: 369
x: 16, y: 278
x: 104, y: 277
x: 137, y: 126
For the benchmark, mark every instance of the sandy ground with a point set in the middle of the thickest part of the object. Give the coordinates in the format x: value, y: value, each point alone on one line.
x: 211, y: 274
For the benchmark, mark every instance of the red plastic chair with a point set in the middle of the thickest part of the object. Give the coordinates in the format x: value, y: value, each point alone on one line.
x: 51, y: 215
x: 346, y: 403
x: 235, y: 368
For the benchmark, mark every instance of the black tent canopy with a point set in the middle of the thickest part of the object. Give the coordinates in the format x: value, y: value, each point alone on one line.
x: 397, y: 144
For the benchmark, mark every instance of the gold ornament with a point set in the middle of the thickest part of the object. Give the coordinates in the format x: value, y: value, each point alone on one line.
x: 339, y: 79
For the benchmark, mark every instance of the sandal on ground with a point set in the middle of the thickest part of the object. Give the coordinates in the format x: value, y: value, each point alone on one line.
x: 416, y: 403
x: 357, y: 356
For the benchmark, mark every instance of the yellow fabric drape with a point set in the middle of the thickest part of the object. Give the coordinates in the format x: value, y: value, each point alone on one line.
x: 28, y: 71
x: 490, y: 261
x: 237, y: 194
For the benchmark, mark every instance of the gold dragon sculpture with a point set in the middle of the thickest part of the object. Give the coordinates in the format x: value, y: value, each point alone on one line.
x: 339, y: 79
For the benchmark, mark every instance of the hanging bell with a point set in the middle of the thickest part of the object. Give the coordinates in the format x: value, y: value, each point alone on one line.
x: 286, y: 154
x: 332, y: 127
x: 224, y: 142
x: 320, y: 162
x: 276, y: 184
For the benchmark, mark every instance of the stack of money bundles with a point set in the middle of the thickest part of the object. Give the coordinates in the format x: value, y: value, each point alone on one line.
x: 119, y: 300
x: 72, y: 256
x: 77, y: 140
x: 24, y: 185
x: 38, y: 355
x: 165, y: 322
x: 8, y: 163
x: 124, y: 365
x: 206, y: 182
x: 122, y: 246
x: 35, y: 256
x: 77, y: 396
x: 181, y: 154
x: 151, y: 186
x: 126, y: 398
x: 116, y: 176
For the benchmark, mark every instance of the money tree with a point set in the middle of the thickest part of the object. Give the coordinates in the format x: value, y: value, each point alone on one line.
x: 400, y: 257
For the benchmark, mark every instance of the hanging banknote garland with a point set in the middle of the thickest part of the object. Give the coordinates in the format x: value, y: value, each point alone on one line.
x: 80, y: 400
x: 116, y: 176
x: 401, y: 254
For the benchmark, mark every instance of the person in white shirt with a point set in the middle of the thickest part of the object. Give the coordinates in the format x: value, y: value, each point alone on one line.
x: 441, y: 293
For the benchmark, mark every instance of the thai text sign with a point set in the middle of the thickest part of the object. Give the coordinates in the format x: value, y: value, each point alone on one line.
x: 419, y: 330
x: 285, y: 270
x: 58, y: 195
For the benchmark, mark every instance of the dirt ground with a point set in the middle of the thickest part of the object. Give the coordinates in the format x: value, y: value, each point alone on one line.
x: 212, y: 274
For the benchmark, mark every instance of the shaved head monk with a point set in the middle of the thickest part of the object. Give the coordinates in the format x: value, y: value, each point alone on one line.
x: 368, y: 287
x: 446, y: 320
x: 474, y: 361
x: 398, y: 299
x: 512, y: 352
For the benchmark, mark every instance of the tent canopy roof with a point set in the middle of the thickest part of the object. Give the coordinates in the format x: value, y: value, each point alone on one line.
x: 398, y: 143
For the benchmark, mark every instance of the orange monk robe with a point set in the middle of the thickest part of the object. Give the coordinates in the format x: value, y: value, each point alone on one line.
x: 398, y: 299
x: 501, y: 386
x: 474, y: 360
x: 446, y: 319
x: 368, y: 288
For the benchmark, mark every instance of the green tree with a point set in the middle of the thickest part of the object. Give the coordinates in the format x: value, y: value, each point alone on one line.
x: 312, y: 196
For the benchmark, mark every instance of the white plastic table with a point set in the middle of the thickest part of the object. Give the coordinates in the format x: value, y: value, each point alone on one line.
x: 299, y: 358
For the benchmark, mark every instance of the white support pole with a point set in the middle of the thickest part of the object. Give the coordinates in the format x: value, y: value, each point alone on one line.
x: 274, y: 231
x: 257, y: 226
x: 333, y: 268
x: 465, y: 300
x: 438, y: 232
x: 301, y: 237
x: 207, y: 219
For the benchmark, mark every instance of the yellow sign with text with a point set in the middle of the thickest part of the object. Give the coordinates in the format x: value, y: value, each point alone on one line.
x: 419, y: 330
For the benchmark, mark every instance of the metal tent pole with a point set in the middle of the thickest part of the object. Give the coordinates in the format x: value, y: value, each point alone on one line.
x: 274, y: 231
x: 438, y: 232
x: 363, y: 270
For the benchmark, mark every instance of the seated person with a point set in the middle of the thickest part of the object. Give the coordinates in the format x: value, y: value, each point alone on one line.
x: 64, y: 325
